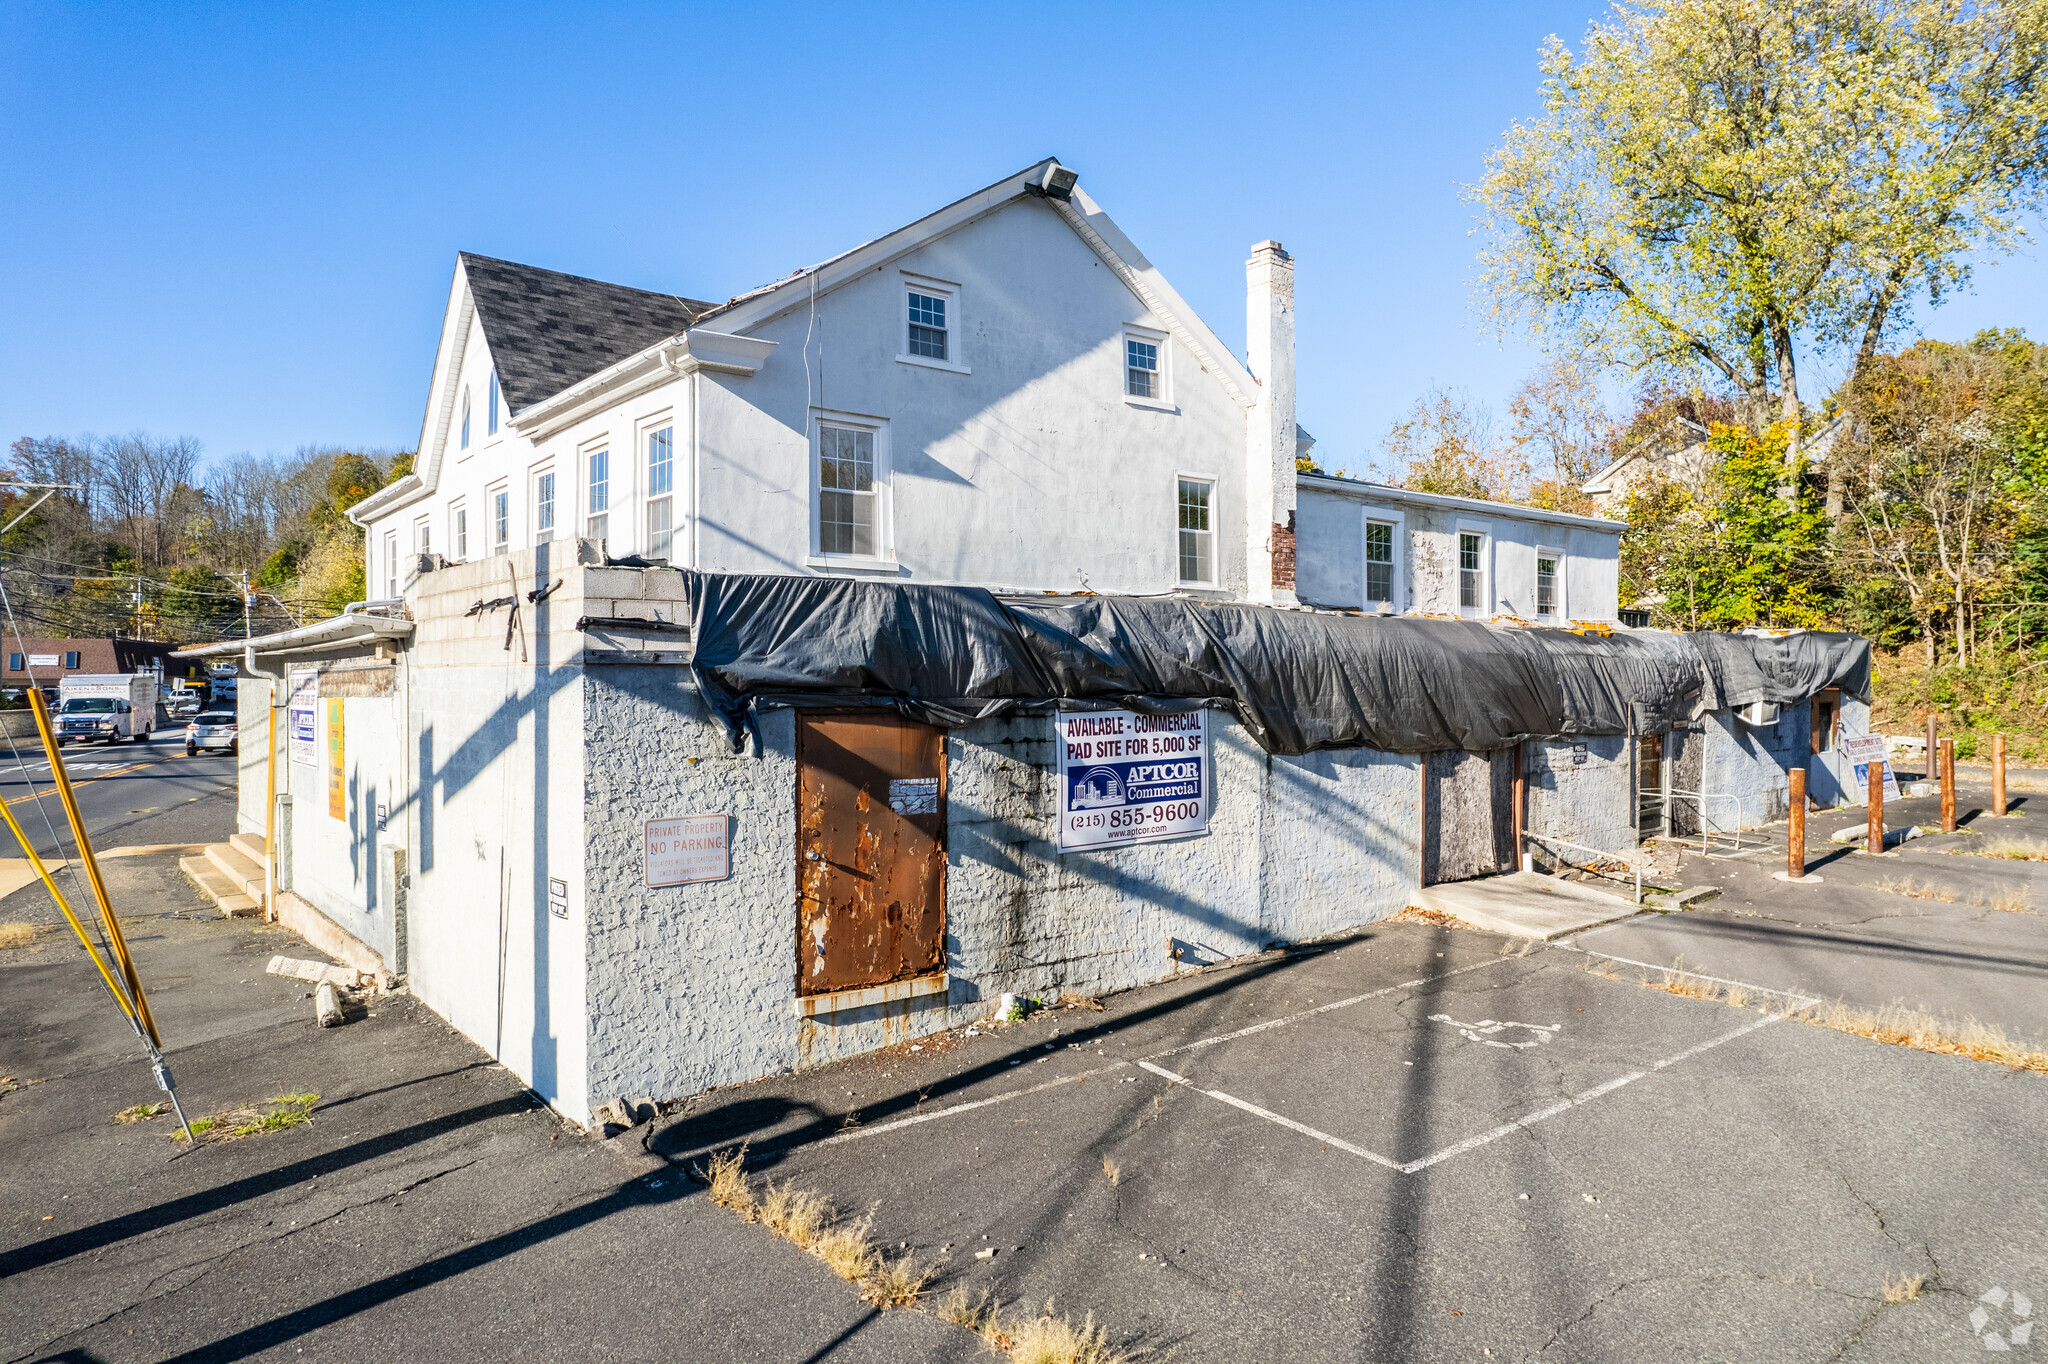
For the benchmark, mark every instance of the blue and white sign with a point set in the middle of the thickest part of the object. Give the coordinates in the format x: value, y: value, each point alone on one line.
x: 302, y: 716
x: 1132, y: 778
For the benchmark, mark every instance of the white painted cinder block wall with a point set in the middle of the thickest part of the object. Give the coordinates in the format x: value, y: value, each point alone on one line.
x: 692, y: 986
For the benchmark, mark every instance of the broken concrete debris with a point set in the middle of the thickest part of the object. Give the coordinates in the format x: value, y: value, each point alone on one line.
x: 317, y: 972
x: 327, y: 1005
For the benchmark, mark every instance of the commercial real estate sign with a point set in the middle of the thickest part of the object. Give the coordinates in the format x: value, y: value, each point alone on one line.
x: 1126, y: 777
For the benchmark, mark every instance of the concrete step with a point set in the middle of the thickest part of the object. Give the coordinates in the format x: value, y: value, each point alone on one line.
x: 242, y: 871
x: 251, y: 846
x: 218, y: 888
x: 1525, y: 904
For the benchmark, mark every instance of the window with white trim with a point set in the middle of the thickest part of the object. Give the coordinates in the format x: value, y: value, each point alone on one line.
x: 661, y: 483
x: 544, y: 506
x: 422, y: 536
x: 491, y: 411
x: 390, y: 563
x: 928, y: 331
x: 465, y: 418
x: 1474, y: 581
x: 1197, y: 531
x: 501, y: 519
x: 458, y: 531
x: 597, y: 520
x: 1549, y: 584
x: 1379, y: 562
x: 1142, y: 378
x: 849, y: 491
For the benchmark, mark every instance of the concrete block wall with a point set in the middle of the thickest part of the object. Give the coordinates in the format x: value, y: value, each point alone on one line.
x: 1752, y: 763
x: 693, y: 986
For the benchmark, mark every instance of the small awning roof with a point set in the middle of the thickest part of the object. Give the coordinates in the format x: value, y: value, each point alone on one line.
x: 341, y: 632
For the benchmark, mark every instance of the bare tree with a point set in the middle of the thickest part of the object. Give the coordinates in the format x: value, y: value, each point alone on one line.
x: 148, y: 482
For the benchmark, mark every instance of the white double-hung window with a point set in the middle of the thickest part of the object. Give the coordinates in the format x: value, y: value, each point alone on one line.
x: 544, y: 506
x: 1475, y: 576
x: 501, y: 518
x: 1145, y: 377
x: 597, y: 520
x: 391, y: 564
x: 931, y: 324
x: 661, y: 483
x: 848, y: 496
x: 1383, y: 551
x: 458, y: 530
x: 1550, y: 603
x: 1195, y: 507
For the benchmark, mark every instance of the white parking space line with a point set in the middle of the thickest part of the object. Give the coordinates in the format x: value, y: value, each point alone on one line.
x: 1799, y: 1001
x: 933, y: 1116
x: 1324, y: 1137
x: 1470, y: 1143
x: 1325, y: 1008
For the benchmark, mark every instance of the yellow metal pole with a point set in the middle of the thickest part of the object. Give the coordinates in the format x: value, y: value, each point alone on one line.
x: 58, y: 896
x: 270, y: 810
x: 92, y: 870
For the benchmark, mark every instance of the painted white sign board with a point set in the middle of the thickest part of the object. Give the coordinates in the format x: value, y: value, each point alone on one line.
x: 688, y: 848
x: 1132, y: 778
x: 1862, y: 750
x: 42, y: 660
x: 302, y: 716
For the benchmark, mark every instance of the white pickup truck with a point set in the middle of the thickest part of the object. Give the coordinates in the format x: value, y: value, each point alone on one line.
x: 112, y: 707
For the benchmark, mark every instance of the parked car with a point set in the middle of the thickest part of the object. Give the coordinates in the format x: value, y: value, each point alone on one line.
x: 212, y: 729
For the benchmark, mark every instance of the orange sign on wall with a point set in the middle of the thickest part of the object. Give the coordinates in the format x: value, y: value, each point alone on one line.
x: 336, y: 805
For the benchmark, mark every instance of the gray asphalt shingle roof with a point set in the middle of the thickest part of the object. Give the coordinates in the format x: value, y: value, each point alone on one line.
x: 548, y: 331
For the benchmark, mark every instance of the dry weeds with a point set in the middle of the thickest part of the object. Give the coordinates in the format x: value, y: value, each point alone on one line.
x: 1895, y: 1025
x: 977, y: 1312
x: 1112, y: 1171
x: 1904, y: 1289
x: 19, y: 935
x: 1051, y: 1339
x: 1916, y: 889
x: 142, y: 1113
x: 808, y: 1221
x: 1416, y: 914
x: 1074, y: 1000
x: 1517, y: 947
x: 2012, y: 901
x: 2011, y: 849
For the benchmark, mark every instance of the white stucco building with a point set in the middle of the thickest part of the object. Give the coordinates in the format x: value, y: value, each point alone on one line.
x: 1006, y: 393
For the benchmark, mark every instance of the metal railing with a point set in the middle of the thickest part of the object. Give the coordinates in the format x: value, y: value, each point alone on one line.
x: 1707, y: 836
x: 1634, y: 862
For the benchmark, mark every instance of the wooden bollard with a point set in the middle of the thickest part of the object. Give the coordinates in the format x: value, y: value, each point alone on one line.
x: 1998, y: 775
x: 1795, y: 842
x: 1948, y: 786
x: 1873, y: 841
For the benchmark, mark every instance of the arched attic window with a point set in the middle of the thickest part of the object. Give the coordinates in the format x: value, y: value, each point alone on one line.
x: 491, y: 408
x: 465, y: 418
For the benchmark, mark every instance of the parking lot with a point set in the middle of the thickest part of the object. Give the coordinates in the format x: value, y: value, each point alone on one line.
x: 1413, y: 1142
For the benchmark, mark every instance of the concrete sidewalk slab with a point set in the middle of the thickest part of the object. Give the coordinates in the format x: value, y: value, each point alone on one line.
x: 1525, y: 904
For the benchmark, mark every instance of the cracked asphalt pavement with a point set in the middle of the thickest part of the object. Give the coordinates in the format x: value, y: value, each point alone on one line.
x: 1409, y: 1143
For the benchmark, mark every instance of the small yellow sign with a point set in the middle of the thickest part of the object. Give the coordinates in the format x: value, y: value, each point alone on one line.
x: 336, y: 805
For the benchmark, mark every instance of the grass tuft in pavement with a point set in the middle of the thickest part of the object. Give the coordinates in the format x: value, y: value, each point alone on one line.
x: 1904, y: 1289
x: 1046, y: 1338
x: 254, y: 1120
x: 19, y: 935
x: 141, y: 1113
x: 1112, y: 1172
x: 2012, y: 849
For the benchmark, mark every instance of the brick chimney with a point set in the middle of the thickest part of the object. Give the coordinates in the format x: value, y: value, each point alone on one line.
x: 1269, y: 445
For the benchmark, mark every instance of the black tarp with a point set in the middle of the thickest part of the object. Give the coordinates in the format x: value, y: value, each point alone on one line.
x: 1297, y: 680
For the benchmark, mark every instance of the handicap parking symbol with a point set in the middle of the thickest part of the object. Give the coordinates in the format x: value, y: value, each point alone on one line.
x: 1490, y: 1032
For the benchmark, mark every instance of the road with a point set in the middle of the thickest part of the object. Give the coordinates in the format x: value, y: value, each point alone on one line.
x: 119, y: 787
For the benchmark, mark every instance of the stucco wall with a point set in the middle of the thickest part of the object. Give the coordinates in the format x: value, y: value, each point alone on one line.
x: 1751, y: 764
x: 1590, y: 803
x: 1331, y: 546
x: 693, y: 986
x: 1027, y: 469
x: 340, y: 865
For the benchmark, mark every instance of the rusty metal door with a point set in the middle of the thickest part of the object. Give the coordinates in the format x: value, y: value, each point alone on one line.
x: 871, y: 851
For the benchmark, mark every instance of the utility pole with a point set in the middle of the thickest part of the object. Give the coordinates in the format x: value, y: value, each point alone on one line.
x: 247, y: 633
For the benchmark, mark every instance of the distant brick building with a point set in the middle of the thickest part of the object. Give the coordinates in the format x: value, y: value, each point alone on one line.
x: 43, y: 659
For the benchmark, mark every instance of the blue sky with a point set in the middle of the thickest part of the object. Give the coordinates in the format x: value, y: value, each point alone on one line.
x: 238, y: 222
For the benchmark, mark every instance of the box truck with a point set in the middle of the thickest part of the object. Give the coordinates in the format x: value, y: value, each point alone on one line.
x: 111, y: 706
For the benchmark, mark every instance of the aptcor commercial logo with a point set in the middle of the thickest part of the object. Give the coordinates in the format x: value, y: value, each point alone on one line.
x: 1127, y: 777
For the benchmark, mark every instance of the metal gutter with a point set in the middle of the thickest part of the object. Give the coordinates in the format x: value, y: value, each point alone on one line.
x: 341, y: 631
